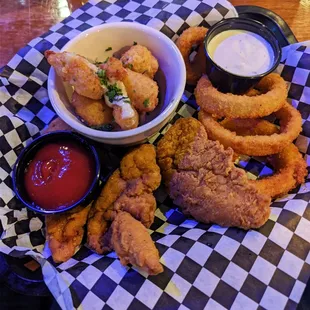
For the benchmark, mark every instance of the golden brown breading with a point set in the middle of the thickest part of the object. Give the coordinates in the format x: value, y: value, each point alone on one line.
x: 141, y: 207
x: 78, y: 72
x: 114, y: 69
x: 93, y: 111
x: 111, y: 191
x: 202, y: 179
x: 138, y: 174
x: 65, y: 231
x: 141, y: 163
x: 97, y: 224
x: 128, y: 189
x: 133, y: 244
x: 139, y: 59
x: 142, y: 91
x: 125, y: 123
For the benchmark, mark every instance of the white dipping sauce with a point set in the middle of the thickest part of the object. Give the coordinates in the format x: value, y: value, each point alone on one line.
x: 241, y: 52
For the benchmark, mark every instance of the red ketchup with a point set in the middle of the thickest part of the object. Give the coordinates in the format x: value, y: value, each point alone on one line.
x: 59, y: 175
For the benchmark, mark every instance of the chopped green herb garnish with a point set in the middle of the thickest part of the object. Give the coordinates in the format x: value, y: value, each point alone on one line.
x: 146, y: 102
x: 127, y: 100
x: 105, y: 127
x: 102, y: 76
x: 130, y: 66
x: 135, y: 43
x: 106, y: 60
x: 113, y: 91
x: 109, y: 49
x: 101, y: 73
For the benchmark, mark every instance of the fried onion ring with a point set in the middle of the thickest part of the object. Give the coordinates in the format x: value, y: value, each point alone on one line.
x: 257, y: 145
x: 192, y: 36
x: 235, y: 106
x: 290, y: 167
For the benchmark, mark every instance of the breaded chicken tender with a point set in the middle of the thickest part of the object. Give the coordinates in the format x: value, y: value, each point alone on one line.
x: 93, y: 111
x: 128, y: 189
x: 65, y: 231
x: 97, y: 224
x: 202, y: 179
x: 142, y: 91
x: 139, y: 59
x: 133, y: 244
x: 78, y: 72
x: 141, y: 207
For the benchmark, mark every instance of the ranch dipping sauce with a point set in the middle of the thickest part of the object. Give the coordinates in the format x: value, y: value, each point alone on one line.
x: 241, y: 52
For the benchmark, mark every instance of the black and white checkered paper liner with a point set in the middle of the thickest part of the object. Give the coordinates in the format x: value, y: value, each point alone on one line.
x: 205, y: 266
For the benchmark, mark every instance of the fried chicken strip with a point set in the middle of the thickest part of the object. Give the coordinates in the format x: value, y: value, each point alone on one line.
x: 65, y: 231
x: 98, y: 224
x: 133, y: 244
x: 141, y: 207
x: 202, y: 179
x: 128, y: 189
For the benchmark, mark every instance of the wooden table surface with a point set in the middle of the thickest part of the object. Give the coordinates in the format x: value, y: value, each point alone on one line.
x: 23, y: 20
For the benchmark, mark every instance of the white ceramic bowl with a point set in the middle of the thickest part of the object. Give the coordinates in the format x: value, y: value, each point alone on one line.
x: 92, y: 44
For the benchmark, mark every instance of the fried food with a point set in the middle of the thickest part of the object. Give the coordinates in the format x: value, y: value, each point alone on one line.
x: 291, y: 170
x: 290, y: 167
x: 114, y: 69
x: 78, y: 72
x: 142, y: 91
x: 141, y: 207
x: 125, y: 91
x: 133, y: 244
x: 189, y: 37
x: 65, y: 231
x: 202, y: 179
x: 128, y: 189
x: 57, y: 124
x: 98, y: 224
x: 250, y: 127
x: 124, y: 113
x: 125, y: 123
x: 139, y: 59
x: 140, y: 164
x: 242, y: 106
x: 258, y: 145
x: 93, y: 112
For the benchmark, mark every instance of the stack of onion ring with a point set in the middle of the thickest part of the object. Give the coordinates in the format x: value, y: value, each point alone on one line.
x: 290, y: 168
x: 242, y: 106
x: 246, y: 133
x: 256, y: 145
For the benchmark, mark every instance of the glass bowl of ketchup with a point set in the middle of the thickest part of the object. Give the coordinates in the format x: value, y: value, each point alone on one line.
x: 57, y: 172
